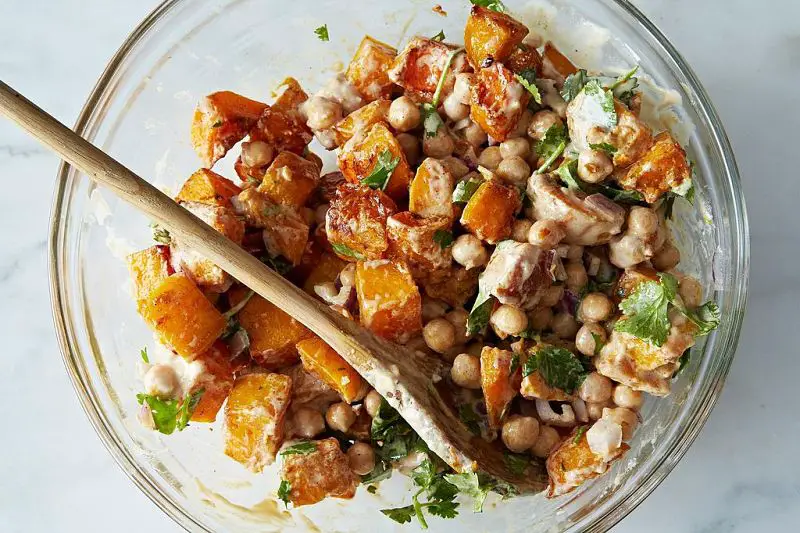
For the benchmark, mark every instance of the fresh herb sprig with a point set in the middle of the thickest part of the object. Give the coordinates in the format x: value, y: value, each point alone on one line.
x: 528, y: 80
x: 494, y: 5
x: 559, y: 367
x: 322, y: 33
x: 169, y: 415
x: 431, y: 120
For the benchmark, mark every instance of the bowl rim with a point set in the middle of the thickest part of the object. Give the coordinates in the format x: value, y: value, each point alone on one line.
x: 122, y: 456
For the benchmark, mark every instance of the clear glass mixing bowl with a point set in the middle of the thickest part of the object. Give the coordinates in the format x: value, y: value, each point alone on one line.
x: 140, y: 113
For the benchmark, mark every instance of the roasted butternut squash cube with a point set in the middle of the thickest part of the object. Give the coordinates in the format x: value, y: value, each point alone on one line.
x: 535, y: 387
x: 289, y: 180
x: 308, y: 391
x: 148, y: 268
x: 182, y: 317
x: 362, y: 119
x: 359, y: 158
x: 489, y: 213
x: 491, y: 34
x: 273, y: 334
x: 289, y: 95
x: 323, y: 473
x: 423, y: 243
x: 254, y: 418
x: 368, y: 70
x: 523, y: 58
x: 573, y: 463
x: 497, y: 101
x: 327, y: 268
x: 388, y: 299
x: 556, y: 64
x: 208, y: 187
x: 285, y: 231
x: 356, y: 222
x: 431, y: 190
x: 284, y: 130
x: 221, y: 120
x: 454, y: 285
x: 216, y: 382
x: 323, y: 361
x: 662, y: 168
x: 632, y: 138
x: 501, y: 375
x: 419, y: 66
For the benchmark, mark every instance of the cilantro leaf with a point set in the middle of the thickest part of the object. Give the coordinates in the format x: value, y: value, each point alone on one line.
x: 443, y: 509
x: 579, y: 434
x: 382, y: 171
x: 301, y: 448
x: 431, y: 120
x: 603, y: 100
x: 474, y: 485
x: 568, y: 173
x: 382, y: 470
x: 372, y: 489
x: 423, y: 475
x: 401, y: 515
x: 551, y: 146
x: 188, y: 405
x: 621, y: 195
x: 645, y: 310
x: 278, y: 263
x: 164, y: 412
x: 559, y: 367
x: 494, y: 5
x: 480, y: 313
x: 528, y: 80
x: 143, y: 353
x: 624, y: 78
x: 516, y: 463
x: 322, y: 33
x: 598, y: 343
x: 160, y: 235
x: 470, y: 419
x: 439, y: 36
x: 465, y: 189
x: 683, y: 361
x: 230, y: 313
x: 603, y: 147
x: 443, y: 238
x: 706, y: 318
x: 344, y: 250
x: 284, y: 491
x: 574, y: 85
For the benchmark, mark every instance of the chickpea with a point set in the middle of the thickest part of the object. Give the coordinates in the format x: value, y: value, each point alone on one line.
x: 520, y: 433
x: 466, y: 371
x: 454, y: 109
x: 627, y: 418
x: 625, y: 396
x: 690, y: 291
x: 552, y: 295
x: 642, y: 221
x: 594, y: 166
x: 372, y: 403
x: 404, y: 114
x: 439, y: 335
x: 161, y: 380
x: 308, y: 423
x: 595, y: 410
x: 322, y: 112
x: 432, y: 308
x: 508, y: 320
x: 540, y: 318
x: 577, y: 278
x: 461, y: 88
x: 469, y: 252
x: 595, y: 307
x: 587, y: 337
x: 595, y: 388
x: 519, y: 147
x: 410, y: 145
x: 564, y: 325
x: 546, y: 234
x: 340, y: 417
x: 440, y: 145
x: 458, y: 317
x: 521, y: 129
x: 547, y: 440
x: 515, y: 170
x: 362, y: 458
x: 475, y: 135
x: 541, y: 122
x: 666, y: 258
x: 520, y: 229
x: 257, y: 153
x: 490, y: 158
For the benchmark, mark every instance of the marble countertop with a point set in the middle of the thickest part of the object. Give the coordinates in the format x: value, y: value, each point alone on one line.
x: 741, y: 475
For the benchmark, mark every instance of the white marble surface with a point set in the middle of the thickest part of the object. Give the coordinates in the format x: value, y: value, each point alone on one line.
x: 740, y: 476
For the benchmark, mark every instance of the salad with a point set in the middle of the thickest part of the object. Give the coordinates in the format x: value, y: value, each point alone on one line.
x: 493, y: 206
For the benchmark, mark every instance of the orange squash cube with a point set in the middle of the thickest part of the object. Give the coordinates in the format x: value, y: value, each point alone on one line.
x: 454, y: 285
x: 289, y: 180
x: 489, y: 213
x: 148, y: 268
x: 323, y: 473
x: 323, y: 361
x: 535, y: 387
x: 326, y: 269
x: 420, y: 242
x: 208, y: 187
x: 289, y: 95
x: 431, y: 190
x: 216, y: 382
x: 362, y: 119
x: 359, y: 158
x: 368, y: 69
x: 221, y: 120
x: 254, y: 418
x: 285, y: 231
x: 356, y: 222
x: 490, y: 34
x: 662, y: 168
x: 497, y: 101
x: 525, y: 57
x: 273, y: 334
x: 284, y: 130
x: 501, y: 375
x: 556, y: 63
x: 182, y: 316
x: 388, y: 299
x: 419, y: 66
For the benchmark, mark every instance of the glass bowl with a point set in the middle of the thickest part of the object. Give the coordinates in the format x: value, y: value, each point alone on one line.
x: 140, y: 113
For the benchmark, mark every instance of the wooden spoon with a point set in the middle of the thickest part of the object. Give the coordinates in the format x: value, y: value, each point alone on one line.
x: 405, y: 379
